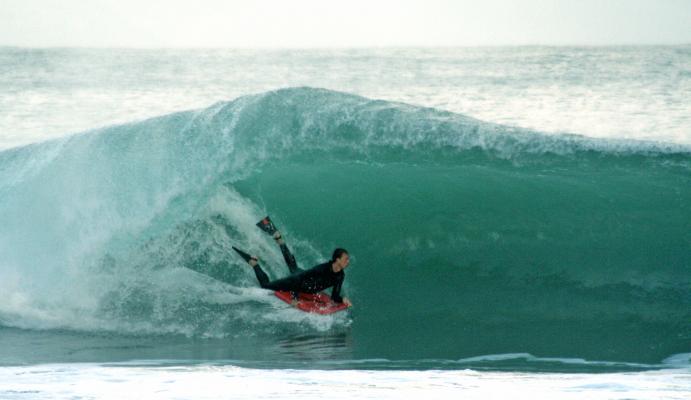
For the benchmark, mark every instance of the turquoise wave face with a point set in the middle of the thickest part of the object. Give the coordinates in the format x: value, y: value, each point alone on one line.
x: 467, y: 238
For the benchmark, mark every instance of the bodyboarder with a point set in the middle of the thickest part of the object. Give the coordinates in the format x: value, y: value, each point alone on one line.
x: 313, y: 280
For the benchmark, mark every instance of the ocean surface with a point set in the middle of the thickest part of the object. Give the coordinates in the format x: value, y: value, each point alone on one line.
x: 518, y: 219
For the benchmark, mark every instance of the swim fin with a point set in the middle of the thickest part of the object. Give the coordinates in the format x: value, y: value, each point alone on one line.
x: 244, y: 255
x: 267, y: 226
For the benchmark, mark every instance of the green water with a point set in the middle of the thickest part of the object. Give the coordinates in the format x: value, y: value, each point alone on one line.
x: 467, y: 238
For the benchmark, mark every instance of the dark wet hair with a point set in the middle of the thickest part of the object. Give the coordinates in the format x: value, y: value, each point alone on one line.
x: 338, y: 253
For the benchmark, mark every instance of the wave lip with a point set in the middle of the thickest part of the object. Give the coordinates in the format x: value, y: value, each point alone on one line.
x: 498, y: 358
x: 301, y: 118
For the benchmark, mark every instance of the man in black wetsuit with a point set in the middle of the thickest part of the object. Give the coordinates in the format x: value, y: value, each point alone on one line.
x: 316, y: 279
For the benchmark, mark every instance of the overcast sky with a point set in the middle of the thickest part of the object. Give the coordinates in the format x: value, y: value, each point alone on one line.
x: 353, y: 23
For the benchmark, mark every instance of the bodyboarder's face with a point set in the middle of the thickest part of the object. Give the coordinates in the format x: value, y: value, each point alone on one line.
x: 343, y: 261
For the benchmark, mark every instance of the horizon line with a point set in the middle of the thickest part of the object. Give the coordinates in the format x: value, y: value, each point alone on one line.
x: 354, y: 47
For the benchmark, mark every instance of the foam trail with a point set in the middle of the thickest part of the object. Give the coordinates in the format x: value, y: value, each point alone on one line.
x: 206, y: 382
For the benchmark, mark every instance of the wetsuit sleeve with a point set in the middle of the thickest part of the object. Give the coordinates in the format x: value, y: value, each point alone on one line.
x: 336, y: 292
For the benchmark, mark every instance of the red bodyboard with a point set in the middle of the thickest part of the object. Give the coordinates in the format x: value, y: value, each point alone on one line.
x: 313, y: 303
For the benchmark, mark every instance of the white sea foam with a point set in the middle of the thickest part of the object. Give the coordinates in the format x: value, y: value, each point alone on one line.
x: 118, y: 381
x: 678, y: 360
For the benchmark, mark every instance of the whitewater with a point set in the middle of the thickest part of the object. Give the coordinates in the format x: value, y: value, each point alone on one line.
x: 518, y: 219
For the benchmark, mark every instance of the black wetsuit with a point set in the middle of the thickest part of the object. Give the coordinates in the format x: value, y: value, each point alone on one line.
x: 312, y: 280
